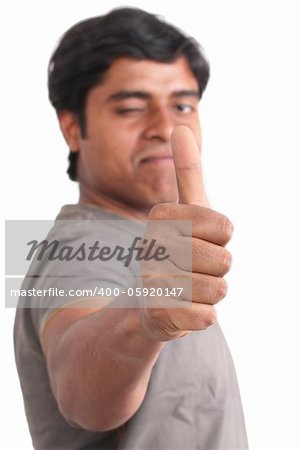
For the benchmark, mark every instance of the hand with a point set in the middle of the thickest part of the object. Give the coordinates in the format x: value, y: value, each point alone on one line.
x: 210, y: 233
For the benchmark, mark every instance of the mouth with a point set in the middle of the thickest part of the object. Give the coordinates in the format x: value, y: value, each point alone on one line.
x: 157, y: 159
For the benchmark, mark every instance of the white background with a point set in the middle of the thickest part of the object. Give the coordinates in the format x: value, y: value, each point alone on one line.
x: 249, y: 116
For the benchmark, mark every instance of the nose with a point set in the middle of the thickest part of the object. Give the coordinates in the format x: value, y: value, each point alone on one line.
x: 159, y: 125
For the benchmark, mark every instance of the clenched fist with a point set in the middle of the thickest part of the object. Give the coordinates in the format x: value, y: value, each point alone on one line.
x: 209, y: 261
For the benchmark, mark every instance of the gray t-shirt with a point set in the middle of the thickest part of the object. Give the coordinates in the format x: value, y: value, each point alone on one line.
x: 192, y: 401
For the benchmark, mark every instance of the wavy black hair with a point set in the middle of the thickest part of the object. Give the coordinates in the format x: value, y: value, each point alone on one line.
x: 87, y: 50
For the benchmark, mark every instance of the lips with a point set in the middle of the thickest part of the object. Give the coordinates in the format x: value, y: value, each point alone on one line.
x: 154, y: 154
x: 156, y: 159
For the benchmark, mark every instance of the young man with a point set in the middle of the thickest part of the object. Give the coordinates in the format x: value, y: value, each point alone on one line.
x: 126, y: 88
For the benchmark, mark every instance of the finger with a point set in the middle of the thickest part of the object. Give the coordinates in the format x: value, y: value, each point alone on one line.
x: 195, y: 287
x: 187, y: 161
x: 192, y: 255
x: 199, y: 317
x: 208, y: 289
x: 193, y: 317
x: 207, y: 224
x: 165, y: 324
x: 207, y: 258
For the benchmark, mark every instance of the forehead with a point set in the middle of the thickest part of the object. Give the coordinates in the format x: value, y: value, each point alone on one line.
x: 148, y: 75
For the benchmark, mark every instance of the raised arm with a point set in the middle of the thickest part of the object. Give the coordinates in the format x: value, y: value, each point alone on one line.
x: 100, y: 360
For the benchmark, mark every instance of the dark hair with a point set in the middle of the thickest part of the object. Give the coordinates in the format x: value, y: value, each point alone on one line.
x: 87, y: 50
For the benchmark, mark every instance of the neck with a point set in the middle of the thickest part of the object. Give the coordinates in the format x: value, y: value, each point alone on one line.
x: 89, y: 197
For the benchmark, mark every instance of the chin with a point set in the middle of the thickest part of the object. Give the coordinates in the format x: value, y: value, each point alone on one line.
x: 168, y: 199
x: 163, y: 197
x: 149, y: 195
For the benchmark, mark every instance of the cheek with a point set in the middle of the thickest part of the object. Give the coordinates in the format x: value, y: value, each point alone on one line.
x: 121, y: 145
x: 107, y: 155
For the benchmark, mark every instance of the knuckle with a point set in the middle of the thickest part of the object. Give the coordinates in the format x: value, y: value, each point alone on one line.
x: 210, y: 317
x: 226, y: 227
x: 158, y: 212
x: 160, y: 325
x: 220, y: 289
x: 163, y: 211
x: 157, y: 317
x: 225, y: 261
x: 154, y: 314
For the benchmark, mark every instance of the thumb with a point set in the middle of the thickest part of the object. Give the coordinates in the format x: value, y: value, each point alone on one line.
x: 188, y: 167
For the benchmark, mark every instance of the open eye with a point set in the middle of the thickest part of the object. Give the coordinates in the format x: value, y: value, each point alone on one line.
x: 184, y: 108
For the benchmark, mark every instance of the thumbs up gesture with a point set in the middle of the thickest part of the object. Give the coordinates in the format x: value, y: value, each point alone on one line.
x: 211, y: 231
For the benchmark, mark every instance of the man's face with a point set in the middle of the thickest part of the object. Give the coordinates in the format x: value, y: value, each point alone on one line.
x: 126, y: 154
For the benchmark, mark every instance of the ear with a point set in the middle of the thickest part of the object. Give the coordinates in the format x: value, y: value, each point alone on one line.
x: 70, y: 129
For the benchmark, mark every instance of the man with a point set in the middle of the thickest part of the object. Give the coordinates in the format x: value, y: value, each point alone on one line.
x: 125, y: 87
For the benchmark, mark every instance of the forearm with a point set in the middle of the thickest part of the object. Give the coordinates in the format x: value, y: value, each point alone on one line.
x: 100, y: 368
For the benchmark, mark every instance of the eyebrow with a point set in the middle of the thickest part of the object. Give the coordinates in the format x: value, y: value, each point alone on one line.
x: 143, y: 95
